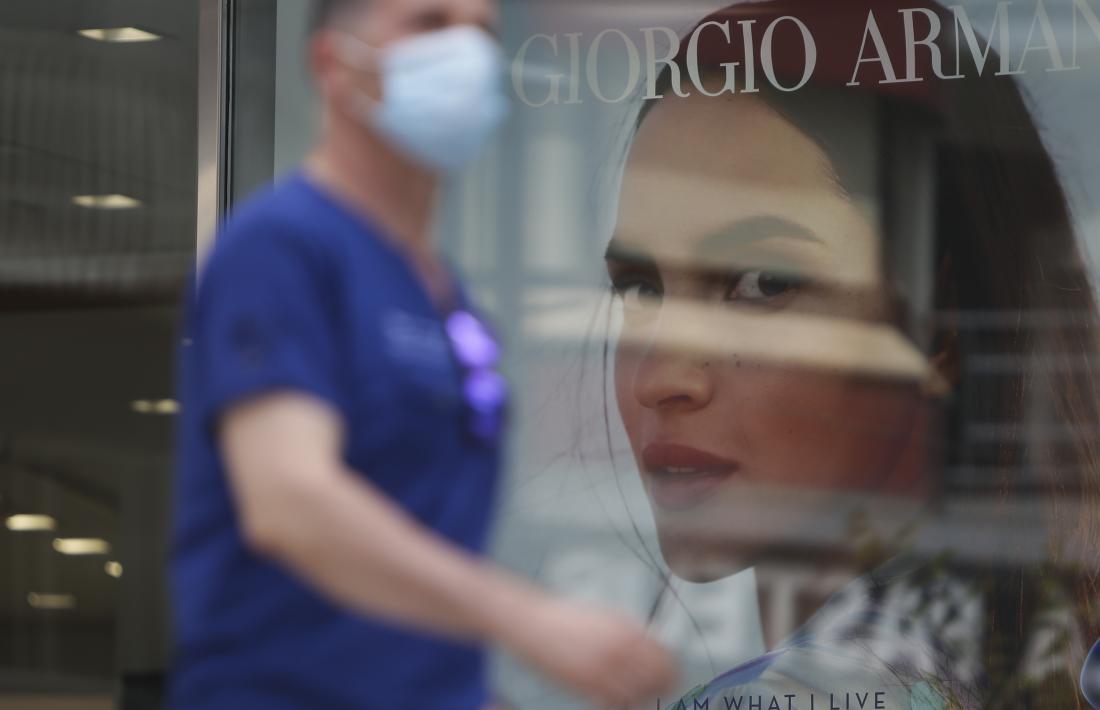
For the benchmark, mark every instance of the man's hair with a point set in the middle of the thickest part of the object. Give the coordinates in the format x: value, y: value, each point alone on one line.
x: 325, y: 12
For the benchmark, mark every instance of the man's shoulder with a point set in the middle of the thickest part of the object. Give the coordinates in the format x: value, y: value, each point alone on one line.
x: 285, y: 207
x: 280, y: 221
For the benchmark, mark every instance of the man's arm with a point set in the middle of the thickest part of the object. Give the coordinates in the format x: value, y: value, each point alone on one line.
x: 300, y: 505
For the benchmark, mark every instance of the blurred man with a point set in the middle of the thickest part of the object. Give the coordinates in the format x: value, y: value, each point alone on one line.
x: 342, y: 414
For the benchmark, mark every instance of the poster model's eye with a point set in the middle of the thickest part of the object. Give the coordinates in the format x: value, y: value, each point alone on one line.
x: 762, y: 287
x: 637, y: 292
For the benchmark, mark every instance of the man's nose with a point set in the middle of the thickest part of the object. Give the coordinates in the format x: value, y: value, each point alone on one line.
x: 674, y: 379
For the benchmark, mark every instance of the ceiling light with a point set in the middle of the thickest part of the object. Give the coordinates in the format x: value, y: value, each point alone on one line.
x: 51, y: 601
x: 119, y: 34
x: 155, y: 406
x: 113, y: 568
x: 81, y: 546
x: 166, y: 406
x: 30, y: 523
x: 106, y: 202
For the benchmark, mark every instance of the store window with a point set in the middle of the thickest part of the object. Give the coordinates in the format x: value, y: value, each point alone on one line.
x: 799, y: 301
x: 799, y: 304
x: 97, y: 235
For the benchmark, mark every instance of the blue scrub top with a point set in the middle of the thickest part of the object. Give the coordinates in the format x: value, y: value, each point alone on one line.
x: 301, y: 293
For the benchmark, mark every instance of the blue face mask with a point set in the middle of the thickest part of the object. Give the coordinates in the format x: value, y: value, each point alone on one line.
x: 442, y: 94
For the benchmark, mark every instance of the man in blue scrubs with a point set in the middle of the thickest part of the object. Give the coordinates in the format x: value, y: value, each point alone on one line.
x: 340, y: 432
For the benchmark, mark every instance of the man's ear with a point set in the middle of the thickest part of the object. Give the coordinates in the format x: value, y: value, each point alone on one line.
x: 342, y: 64
x: 323, y: 62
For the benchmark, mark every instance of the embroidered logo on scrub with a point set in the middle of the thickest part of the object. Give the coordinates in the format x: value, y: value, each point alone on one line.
x: 249, y: 342
x: 415, y: 340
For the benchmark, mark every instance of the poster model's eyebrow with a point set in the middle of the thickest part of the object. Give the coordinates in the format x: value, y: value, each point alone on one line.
x: 622, y: 252
x: 754, y: 229
x: 740, y: 233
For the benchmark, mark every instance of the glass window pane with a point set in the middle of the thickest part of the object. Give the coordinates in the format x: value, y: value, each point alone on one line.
x: 97, y: 236
x: 800, y: 317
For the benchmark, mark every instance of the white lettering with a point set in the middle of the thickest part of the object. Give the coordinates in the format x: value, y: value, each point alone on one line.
x: 882, y: 57
x: 634, y: 67
x: 809, y: 46
x: 1050, y: 42
x: 653, y: 61
x: 575, y: 71
x: 1082, y: 8
x: 554, y: 96
x: 750, y: 61
x: 929, y: 41
x: 693, y: 60
x: 1000, y: 26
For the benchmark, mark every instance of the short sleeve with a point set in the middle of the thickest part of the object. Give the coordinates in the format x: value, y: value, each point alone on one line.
x: 262, y: 320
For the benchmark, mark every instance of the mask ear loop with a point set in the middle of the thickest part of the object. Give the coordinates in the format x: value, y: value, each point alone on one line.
x: 358, y: 55
x: 355, y: 52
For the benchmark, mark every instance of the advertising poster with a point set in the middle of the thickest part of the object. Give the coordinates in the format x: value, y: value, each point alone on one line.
x: 802, y: 324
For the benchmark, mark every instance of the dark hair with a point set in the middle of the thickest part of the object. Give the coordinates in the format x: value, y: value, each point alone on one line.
x: 1012, y: 288
x: 325, y: 12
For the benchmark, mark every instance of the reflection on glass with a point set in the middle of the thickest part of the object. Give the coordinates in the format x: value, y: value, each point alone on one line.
x: 785, y: 399
x: 97, y: 235
x: 850, y: 356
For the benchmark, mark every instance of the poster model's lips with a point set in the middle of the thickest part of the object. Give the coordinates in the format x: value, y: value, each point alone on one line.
x: 681, y: 477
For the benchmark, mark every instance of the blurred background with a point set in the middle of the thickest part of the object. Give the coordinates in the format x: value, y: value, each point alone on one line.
x: 127, y: 127
x: 97, y: 233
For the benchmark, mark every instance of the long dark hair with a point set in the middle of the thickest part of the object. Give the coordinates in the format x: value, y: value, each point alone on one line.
x: 1012, y: 305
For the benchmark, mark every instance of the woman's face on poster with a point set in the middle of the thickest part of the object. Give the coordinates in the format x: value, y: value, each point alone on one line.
x: 757, y: 364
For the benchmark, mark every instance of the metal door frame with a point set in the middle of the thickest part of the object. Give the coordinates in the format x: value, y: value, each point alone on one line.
x: 213, y: 119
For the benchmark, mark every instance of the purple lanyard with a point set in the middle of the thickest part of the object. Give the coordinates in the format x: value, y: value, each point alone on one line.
x: 484, y: 390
